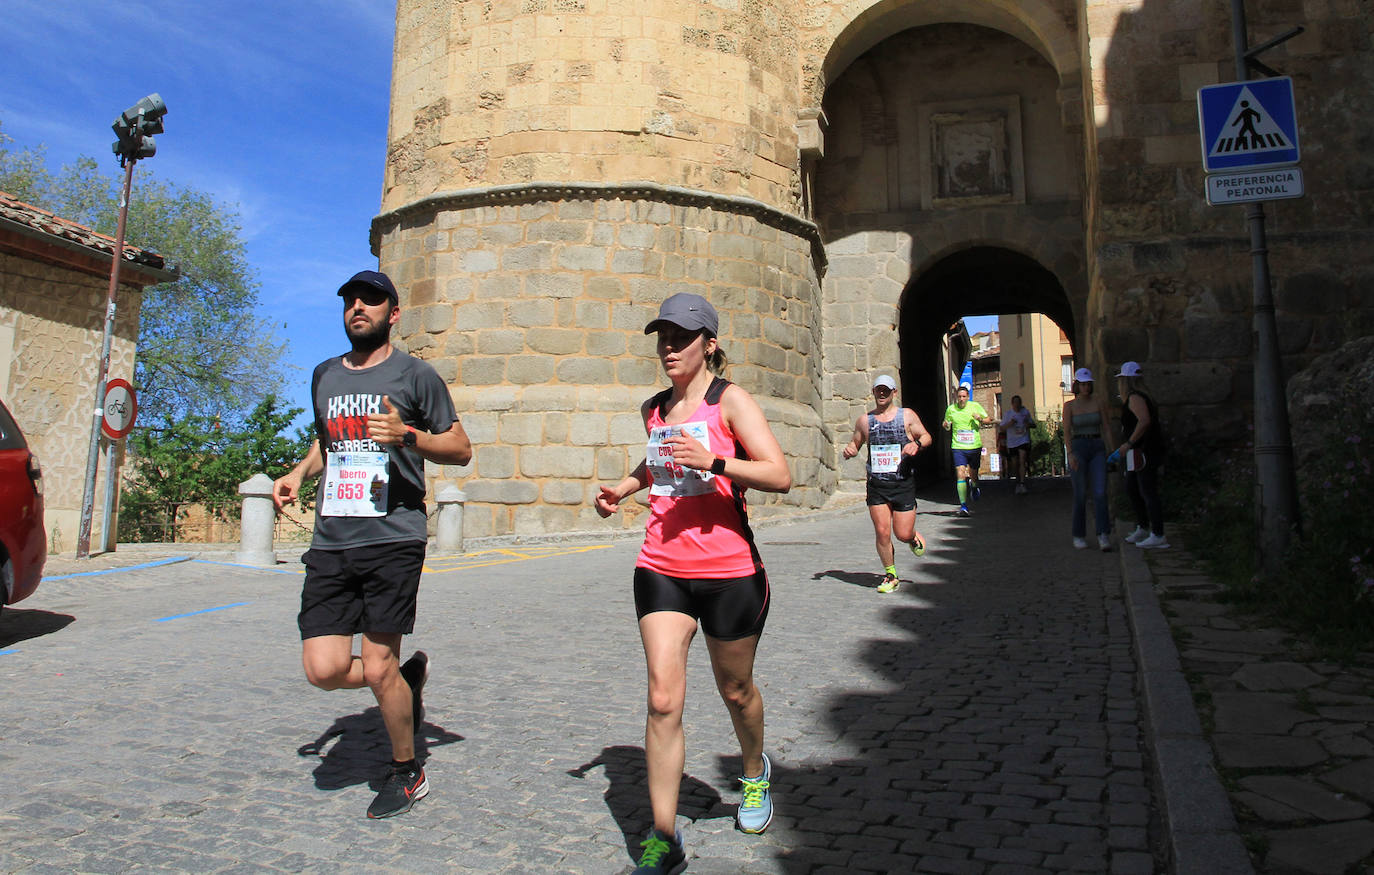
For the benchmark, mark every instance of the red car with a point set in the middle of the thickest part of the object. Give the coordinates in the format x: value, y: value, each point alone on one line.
x: 23, y: 544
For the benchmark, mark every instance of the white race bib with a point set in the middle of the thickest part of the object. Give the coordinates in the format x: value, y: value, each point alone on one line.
x: 355, y: 484
x: 884, y: 459
x: 670, y: 478
x: 965, y: 435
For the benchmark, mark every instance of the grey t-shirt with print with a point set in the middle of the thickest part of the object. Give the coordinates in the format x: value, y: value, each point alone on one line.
x: 343, y: 397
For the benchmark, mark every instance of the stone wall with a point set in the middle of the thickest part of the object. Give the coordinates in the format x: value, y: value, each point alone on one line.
x: 1171, y: 276
x: 491, y: 92
x: 58, y: 318
x: 535, y: 313
x: 557, y: 167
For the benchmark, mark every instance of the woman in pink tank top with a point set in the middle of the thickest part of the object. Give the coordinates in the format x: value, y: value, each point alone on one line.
x: 708, y: 441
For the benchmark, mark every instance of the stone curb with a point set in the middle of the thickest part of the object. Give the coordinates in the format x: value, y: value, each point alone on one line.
x: 1199, y: 826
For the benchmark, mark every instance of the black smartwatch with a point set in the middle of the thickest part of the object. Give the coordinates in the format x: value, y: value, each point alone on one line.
x: 408, y: 439
x: 718, y: 466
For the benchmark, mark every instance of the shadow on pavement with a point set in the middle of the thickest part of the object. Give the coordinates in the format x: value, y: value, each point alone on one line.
x: 362, y: 750
x: 18, y: 625
x: 627, y: 794
x: 984, y: 742
x: 855, y: 578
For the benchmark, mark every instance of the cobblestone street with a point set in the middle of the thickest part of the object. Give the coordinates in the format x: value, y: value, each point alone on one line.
x: 981, y: 719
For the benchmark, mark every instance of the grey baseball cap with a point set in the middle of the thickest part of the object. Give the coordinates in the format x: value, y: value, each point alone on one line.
x: 686, y: 310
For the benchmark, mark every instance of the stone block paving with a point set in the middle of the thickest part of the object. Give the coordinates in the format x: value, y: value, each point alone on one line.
x: 982, y: 719
x: 1292, y: 734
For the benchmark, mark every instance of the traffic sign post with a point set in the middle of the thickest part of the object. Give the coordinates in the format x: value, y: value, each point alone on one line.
x: 1254, y: 185
x: 1252, y: 125
x: 1248, y: 125
x: 121, y: 409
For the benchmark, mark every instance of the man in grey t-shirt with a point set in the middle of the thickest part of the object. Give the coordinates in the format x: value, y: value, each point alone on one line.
x: 379, y: 414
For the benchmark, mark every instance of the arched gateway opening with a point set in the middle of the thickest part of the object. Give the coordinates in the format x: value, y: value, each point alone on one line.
x: 979, y: 280
x: 950, y: 185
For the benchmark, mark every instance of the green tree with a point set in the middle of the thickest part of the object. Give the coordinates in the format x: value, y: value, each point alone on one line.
x: 202, y: 350
x: 198, y: 460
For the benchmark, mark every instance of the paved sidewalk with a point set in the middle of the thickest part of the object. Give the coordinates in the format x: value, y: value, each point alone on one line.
x: 984, y: 718
x: 1291, y: 734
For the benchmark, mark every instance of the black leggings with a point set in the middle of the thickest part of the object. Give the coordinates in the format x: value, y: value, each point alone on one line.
x: 1143, y: 488
x: 729, y: 608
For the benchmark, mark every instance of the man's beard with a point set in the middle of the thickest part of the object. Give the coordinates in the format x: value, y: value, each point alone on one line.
x: 368, y: 339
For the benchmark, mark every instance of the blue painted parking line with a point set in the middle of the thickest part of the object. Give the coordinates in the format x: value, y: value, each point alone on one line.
x: 170, y: 561
x: 202, y: 611
x: 7, y: 652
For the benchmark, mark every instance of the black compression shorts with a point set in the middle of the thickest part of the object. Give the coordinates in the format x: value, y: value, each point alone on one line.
x: 729, y: 608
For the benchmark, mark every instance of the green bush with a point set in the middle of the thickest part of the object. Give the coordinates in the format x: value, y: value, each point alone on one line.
x: 1326, y: 591
x: 1047, y: 447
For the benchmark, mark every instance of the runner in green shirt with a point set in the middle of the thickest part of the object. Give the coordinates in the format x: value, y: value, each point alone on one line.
x: 964, y: 419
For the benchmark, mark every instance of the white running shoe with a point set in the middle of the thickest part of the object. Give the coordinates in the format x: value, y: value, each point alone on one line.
x: 1140, y: 534
x: 1080, y: 543
x: 1105, y: 542
x: 1154, y: 542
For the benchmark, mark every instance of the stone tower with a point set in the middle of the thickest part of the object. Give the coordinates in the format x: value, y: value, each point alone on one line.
x: 843, y: 181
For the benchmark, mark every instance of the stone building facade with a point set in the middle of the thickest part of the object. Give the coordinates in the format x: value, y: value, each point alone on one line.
x: 54, y: 283
x: 844, y: 180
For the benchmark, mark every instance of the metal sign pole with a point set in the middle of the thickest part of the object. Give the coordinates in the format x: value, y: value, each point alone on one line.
x: 83, y: 540
x: 1275, y: 483
x: 107, y: 537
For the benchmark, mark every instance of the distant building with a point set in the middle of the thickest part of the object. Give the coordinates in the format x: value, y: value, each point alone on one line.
x: 1037, y: 362
x: 54, y: 282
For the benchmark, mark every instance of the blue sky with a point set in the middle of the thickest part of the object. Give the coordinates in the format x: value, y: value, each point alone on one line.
x: 278, y: 109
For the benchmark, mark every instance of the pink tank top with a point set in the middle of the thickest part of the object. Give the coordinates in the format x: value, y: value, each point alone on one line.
x: 698, y: 523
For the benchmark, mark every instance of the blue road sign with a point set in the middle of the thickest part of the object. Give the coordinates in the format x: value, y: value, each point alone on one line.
x: 1248, y: 125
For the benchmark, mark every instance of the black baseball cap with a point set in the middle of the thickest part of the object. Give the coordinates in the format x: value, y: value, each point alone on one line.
x: 373, y: 279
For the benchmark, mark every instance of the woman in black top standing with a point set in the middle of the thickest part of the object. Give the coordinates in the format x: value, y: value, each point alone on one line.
x: 1143, y: 452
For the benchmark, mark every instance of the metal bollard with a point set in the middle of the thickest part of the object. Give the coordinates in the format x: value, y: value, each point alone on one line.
x: 449, y: 531
x: 257, y: 522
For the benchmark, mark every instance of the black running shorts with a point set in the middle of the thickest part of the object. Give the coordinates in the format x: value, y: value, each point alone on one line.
x: 729, y: 608
x: 900, y: 495
x: 361, y: 589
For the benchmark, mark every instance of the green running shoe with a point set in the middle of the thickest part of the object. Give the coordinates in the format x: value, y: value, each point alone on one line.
x: 918, y: 545
x: 889, y: 583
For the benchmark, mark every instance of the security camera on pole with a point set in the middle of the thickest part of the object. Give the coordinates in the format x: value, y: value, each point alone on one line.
x: 134, y: 129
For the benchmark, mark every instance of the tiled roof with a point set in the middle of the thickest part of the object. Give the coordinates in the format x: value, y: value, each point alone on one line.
x: 39, y: 219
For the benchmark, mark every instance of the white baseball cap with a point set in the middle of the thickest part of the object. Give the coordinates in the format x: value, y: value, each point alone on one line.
x: 1130, y: 369
x: 1083, y: 375
x: 887, y: 381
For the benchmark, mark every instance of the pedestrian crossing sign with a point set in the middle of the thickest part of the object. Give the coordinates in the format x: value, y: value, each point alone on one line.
x: 1248, y: 125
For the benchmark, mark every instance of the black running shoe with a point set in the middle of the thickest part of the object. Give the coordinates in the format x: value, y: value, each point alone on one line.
x: 416, y: 671
x: 401, y: 790
x: 663, y: 854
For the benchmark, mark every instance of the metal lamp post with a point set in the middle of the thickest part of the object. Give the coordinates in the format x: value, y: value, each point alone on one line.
x: 134, y: 128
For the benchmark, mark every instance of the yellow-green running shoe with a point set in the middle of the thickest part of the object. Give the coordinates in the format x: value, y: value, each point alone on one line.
x: 918, y: 545
x: 889, y: 583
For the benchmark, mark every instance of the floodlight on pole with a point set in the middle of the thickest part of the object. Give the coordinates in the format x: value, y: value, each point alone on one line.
x: 134, y: 131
